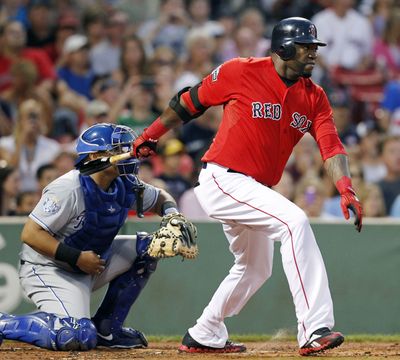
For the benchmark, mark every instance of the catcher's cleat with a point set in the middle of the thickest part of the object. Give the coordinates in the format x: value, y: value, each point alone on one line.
x: 190, y: 345
x: 125, y: 338
x: 1, y: 338
x: 321, y: 340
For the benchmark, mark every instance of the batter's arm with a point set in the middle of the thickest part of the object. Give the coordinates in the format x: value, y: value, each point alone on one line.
x: 337, y: 168
x: 44, y: 243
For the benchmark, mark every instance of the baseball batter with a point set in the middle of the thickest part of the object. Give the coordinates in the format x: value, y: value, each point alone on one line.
x: 269, y: 104
x: 71, y: 248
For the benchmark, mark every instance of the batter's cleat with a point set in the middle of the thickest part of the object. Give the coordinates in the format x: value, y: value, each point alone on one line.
x: 321, y: 340
x: 190, y: 345
x: 125, y: 338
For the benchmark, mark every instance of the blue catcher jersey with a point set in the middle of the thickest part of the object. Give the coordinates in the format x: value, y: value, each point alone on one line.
x: 61, y: 212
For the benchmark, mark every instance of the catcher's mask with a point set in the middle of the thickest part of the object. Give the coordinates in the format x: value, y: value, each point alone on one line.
x: 291, y: 31
x: 112, y: 140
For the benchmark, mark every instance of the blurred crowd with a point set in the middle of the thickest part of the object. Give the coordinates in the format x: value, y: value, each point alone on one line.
x: 67, y: 64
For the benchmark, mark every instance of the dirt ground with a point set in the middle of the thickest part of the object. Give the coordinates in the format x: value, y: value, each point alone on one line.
x: 168, y: 350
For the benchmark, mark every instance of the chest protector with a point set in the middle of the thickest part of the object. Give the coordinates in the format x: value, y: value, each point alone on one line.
x: 105, y: 213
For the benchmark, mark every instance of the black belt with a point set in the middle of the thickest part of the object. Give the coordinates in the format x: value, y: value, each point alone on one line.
x: 204, y: 166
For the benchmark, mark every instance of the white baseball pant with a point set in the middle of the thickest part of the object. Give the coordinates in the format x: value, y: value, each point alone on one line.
x: 253, y: 217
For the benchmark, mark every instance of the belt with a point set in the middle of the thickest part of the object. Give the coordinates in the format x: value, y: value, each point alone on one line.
x: 204, y: 166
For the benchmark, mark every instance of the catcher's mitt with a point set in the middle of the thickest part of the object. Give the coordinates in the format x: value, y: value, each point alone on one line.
x: 176, y: 236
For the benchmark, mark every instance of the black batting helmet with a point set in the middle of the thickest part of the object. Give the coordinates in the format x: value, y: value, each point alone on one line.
x: 290, y: 31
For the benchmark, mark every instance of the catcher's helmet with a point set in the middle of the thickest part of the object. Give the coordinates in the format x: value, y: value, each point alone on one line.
x: 290, y: 31
x: 114, y: 139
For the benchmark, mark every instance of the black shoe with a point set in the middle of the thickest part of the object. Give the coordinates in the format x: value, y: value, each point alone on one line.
x: 190, y: 345
x: 321, y: 340
x: 124, y: 338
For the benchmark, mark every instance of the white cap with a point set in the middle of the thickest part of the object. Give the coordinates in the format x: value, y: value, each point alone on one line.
x: 74, y: 43
x: 96, y: 108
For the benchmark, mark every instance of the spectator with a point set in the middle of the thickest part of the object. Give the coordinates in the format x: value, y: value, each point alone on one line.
x: 305, y: 158
x: 390, y: 185
x: 26, y: 202
x: 45, y: 174
x: 140, y: 114
x: 163, y: 67
x: 108, y: 90
x: 67, y: 25
x: 23, y: 86
x: 75, y: 70
x: 249, y: 39
x: 389, y: 112
x: 286, y: 185
x: 387, y: 47
x: 310, y: 196
x: 146, y: 174
x: 97, y: 111
x: 9, y: 189
x: 171, y: 156
x: 14, y: 49
x: 198, y: 135
x: 13, y: 10
x: 28, y: 148
x: 133, y: 60
x: 64, y: 162
x: 169, y: 29
x: 199, y: 12
x: 41, y: 29
x: 341, y: 106
x: 372, y: 200
x: 395, y: 210
x: 378, y: 13
x: 346, y: 48
x: 105, y: 56
x: 372, y: 167
x: 200, y: 48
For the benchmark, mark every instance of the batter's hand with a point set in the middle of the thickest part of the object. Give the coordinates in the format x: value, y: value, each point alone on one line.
x: 143, y: 147
x: 91, y: 263
x: 349, y: 200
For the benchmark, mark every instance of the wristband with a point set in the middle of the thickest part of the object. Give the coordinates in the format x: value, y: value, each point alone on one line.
x: 155, y: 130
x: 67, y: 254
x: 169, y: 207
x: 344, y: 185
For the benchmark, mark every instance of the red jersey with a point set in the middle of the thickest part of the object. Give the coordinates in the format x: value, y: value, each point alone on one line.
x: 263, y: 119
x: 38, y: 57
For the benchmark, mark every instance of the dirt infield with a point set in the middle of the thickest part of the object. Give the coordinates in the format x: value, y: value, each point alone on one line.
x: 168, y: 350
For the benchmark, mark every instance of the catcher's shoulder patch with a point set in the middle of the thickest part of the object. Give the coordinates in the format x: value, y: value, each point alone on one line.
x: 51, y: 205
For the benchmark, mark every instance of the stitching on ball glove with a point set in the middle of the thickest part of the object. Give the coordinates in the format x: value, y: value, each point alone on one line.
x: 176, y: 236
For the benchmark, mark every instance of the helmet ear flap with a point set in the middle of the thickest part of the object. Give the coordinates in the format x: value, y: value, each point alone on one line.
x: 287, y: 51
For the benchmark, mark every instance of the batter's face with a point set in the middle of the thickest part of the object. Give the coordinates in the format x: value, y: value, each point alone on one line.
x: 304, y: 60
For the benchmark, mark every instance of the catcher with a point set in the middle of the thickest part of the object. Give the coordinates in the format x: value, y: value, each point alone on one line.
x: 71, y: 248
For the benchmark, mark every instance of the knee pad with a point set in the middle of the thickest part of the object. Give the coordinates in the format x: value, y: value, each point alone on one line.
x: 76, y: 335
x: 49, y: 331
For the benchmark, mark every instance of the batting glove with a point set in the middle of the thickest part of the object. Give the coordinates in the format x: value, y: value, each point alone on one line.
x: 349, y: 200
x: 143, y: 147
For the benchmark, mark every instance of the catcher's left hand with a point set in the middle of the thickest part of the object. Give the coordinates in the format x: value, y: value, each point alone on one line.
x: 176, y: 236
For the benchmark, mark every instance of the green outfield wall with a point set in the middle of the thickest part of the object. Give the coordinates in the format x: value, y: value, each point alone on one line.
x: 363, y: 270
